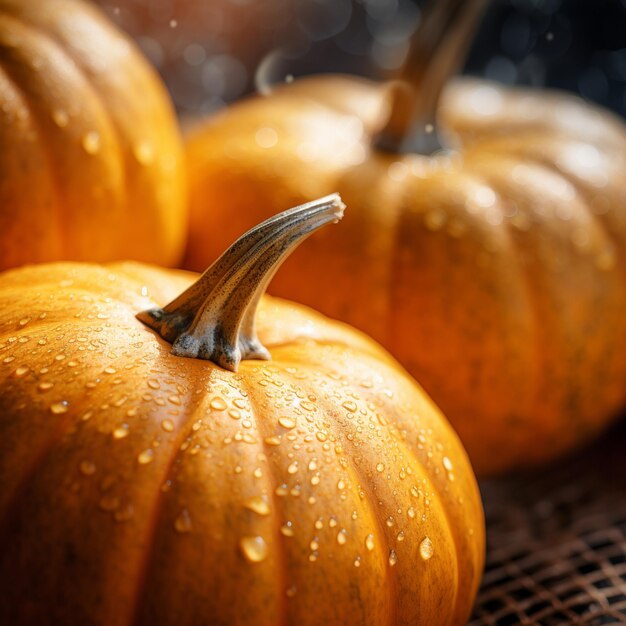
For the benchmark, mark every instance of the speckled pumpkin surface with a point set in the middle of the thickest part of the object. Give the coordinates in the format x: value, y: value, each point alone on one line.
x: 91, y: 156
x: 140, y: 487
x: 495, y: 274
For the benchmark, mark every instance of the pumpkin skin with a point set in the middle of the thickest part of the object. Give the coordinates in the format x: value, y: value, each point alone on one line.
x: 495, y: 276
x: 96, y: 530
x: 91, y: 161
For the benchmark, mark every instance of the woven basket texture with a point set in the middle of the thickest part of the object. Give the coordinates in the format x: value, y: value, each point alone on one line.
x: 557, y: 542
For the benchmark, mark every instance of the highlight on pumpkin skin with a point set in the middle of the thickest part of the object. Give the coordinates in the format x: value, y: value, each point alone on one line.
x: 214, y: 318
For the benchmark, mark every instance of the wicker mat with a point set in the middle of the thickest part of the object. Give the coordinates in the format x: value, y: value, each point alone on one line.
x: 557, y: 543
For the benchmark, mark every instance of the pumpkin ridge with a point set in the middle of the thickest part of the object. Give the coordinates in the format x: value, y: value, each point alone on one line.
x: 524, y: 272
x: 455, y: 444
x: 410, y: 454
x: 581, y: 192
x: 390, y: 578
x: 151, y: 533
x: 44, y: 140
x: 62, y: 427
x: 55, y: 212
x: 565, y: 325
x: 281, y: 560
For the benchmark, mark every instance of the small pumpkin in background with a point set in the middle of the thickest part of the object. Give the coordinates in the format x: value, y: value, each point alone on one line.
x: 91, y: 159
x: 143, y: 487
x: 494, y: 270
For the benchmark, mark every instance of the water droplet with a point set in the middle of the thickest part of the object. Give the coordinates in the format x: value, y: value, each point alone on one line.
x: 60, y: 118
x: 91, y: 142
x: 293, y: 468
x: 332, y: 522
x: 20, y: 371
x: 146, y: 456
x: 411, y: 512
x: 258, y: 504
x: 315, y: 480
x: 390, y: 521
x: 321, y: 436
x: 218, y: 404
x: 120, y: 432
x: 380, y: 467
x: 167, y: 425
x: 314, y: 544
x: 287, y: 422
x: 447, y: 463
x: 349, y: 406
x: 400, y: 536
x: 153, y: 383
x: 393, y: 557
x: 87, y: 468
x: 272, y: 441
x: 45, y: 386
x: 144, y: 152
x: 258, y: 472
x: 182, y: 523
x: 341, y: 485
x: 58, y: 408
x: 254, y: 549
x: 287, y: 529
x: 174, y: 399
x: 342, y: 537
x: 426, y: 548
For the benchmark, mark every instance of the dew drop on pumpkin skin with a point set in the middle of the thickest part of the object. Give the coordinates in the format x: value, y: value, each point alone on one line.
x: 254, y: 549
x: 58, y: 408
x: 218, y: 404
x: 167, y: 425
x: 91, y: 142
x: 120, y: 432
x: 258, y: 505
x: 21, y: 371
x: 426, y: 549
x: 393, y: 558
x: 287, y: 422
x: 182, y: 524
x: 146, y: 456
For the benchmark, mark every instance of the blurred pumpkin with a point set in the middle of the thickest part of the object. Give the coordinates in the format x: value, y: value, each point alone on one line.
x: 493, y: 270
x: 91, y: 159
x: 140, y: 486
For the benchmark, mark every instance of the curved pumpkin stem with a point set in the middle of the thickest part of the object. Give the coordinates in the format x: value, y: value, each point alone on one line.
x: 438, y: 48
x: 214, y: 318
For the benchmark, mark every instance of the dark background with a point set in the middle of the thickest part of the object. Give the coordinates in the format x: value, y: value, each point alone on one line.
x: 211, y: 52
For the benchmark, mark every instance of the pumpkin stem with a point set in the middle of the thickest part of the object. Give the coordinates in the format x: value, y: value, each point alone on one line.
x: 214, y: 318
x: 438, y: 48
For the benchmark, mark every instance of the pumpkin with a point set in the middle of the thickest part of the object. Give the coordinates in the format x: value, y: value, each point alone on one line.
x: 91, y: 159
x: 146, y: 483
x: 494, y: 270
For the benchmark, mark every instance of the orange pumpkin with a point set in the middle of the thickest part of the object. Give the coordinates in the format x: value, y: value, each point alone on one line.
x: 141, y: 486
x: 91, y: 159
x: 494, y: 271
